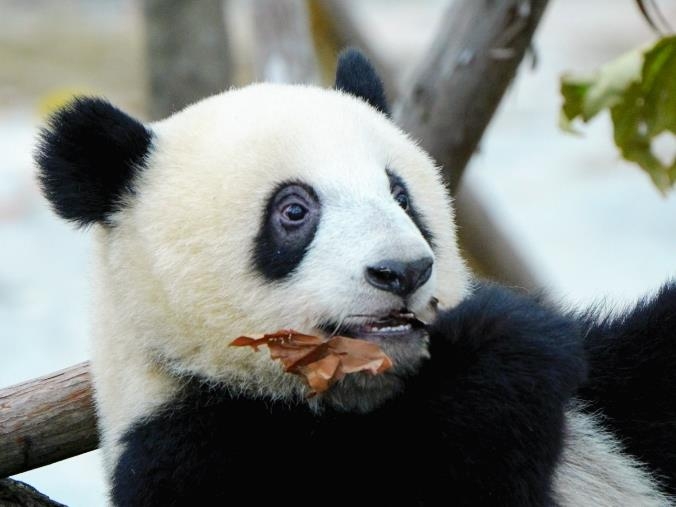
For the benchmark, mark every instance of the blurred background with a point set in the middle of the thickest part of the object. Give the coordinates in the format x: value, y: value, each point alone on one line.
x: 591, y: 227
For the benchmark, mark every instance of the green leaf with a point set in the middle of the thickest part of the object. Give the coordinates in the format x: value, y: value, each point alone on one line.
x: 639, y: 90
x: 573, y: 91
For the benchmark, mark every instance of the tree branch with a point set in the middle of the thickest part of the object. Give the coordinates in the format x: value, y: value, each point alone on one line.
x: 462, y: 79
x: 18, y: 494
x: 46, y: 420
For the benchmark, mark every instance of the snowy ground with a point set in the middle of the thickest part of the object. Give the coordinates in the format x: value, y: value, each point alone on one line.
x: 593, y: 225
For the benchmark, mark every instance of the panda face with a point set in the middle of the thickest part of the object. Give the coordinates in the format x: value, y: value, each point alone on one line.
x: 277, y: 207
x: 264, y: 208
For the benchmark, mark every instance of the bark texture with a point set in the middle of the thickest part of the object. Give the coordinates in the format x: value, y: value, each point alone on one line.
x: 47, y: 419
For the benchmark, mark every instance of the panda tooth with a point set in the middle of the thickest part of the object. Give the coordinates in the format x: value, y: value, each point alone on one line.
x: 392, y: 329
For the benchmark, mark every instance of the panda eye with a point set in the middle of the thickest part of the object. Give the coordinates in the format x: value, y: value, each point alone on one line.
x: 290, y: 220
x: 401, y: 196
x: 295, y: 207
x: 294, y: 212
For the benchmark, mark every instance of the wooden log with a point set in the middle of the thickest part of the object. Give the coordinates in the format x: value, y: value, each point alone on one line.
x: 283, y: 51
x: 46, y: 420
x: 187, y: 53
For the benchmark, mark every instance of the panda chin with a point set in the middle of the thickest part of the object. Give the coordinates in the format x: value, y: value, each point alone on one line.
x: 402, y: 337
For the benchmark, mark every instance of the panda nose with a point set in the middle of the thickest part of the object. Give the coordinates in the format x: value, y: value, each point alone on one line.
x: 397, y: 277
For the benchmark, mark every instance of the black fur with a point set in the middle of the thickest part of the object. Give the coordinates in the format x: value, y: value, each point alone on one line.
x: 276, y: 255
x: 481, y: 424
x: 355, y: 75
x: 87, y: 158
x: 412, y: 210
x: 632, y: 380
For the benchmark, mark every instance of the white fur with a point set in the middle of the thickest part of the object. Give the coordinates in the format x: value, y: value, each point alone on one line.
x: 595, y: 472
x: 176, y: 279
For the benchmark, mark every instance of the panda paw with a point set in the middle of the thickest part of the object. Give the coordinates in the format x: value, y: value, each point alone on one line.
x: 503, y: 368
x: 503, y: 339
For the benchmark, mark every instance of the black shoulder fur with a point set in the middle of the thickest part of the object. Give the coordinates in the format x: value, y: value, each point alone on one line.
x: 481, y: 424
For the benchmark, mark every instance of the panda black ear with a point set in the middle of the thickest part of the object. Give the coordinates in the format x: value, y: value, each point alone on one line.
x: 87, y: 158
x: 355, y: 75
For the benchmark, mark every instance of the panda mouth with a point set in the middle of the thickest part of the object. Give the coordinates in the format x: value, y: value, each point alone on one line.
x: 398, y: 324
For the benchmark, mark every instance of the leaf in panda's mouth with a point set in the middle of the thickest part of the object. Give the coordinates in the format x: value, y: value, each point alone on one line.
x: 320, y: 362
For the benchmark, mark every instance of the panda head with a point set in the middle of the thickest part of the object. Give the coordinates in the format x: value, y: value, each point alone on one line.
x: 262, y: 208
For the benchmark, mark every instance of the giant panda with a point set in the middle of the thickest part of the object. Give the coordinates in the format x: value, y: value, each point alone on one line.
x: 277, y: 206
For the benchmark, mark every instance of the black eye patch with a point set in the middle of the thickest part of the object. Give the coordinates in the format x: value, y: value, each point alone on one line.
x: 287, y: 229
x: 397, y: 185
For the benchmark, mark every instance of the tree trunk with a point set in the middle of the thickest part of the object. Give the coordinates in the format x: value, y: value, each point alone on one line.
x: 187, y: 52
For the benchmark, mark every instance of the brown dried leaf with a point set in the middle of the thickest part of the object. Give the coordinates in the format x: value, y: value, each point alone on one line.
x: 320, y: 374
x: 321, y: 363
